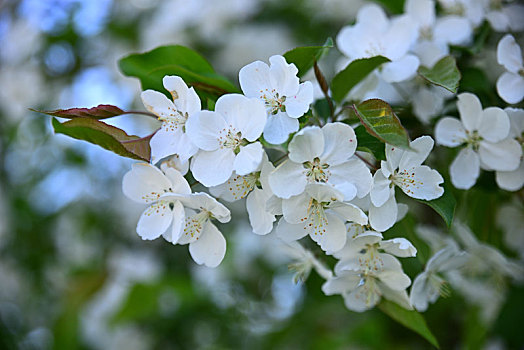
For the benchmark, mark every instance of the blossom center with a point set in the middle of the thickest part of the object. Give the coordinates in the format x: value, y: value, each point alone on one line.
x: 240, y: 186
x: 316, y: 171
x: 174, y: 120
x: 230, y: 138
x: 316, y: 220
x: 195, y: 223
x: 473, y: 139
x: 273, y: 101
x: 406, y: 180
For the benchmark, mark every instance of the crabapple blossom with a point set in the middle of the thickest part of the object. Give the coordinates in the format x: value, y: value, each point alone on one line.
x: 513, y: 180
x: 510, y: 85
x: 304, y: 261
x: 226, y: 138
x: 278, y: 87
x: 484, y: 132
x: 171, y: 138
x: 322, y: 155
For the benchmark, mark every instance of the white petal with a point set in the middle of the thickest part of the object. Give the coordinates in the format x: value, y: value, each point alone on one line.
x: 349, y: 212
x: 422, y: 146
x: 278, y: 127
x: 295, y: 208
x: 202, y: 200
x: 261, y: 221
x: 363, y: 297
x: 470, y: 110
x: 306, y: 145
x: 213, y: 168
x: 322, y: 192
x: 210, y: 248
x: 184, y: 98
x: 511, y: 180
x: 290, y: 232
x: 510, y: 87
x: 298, y: 104
x: 247, y: 115
x: 192, y: 228
x: 494, y: 124
x: 203, y: 128
x: 509, y: 54
x: 353, y: 171
x: 393, y: 157
x: 157, y: 103
x: 422, y: 11
x: 178, y: 182
x: 383, y: 217
x: 144, y: 183
x: 176, y: 163
x: 465, y: 169
x: 166, y: 142
x: 253, y: 78
x: 401, y: 34
x: 394, y: 279
x: 333, y: 237
x: 341, y: 284
x: 420, y: 182
x: 503, y: 156
x: 340, y: 143
x: 401, y: 69
x: 380, y: 191
x: 453, y: 30
x: 498, y: 20
x: 288, y: 179
x: 423, y: 292
x: 515, y: 13
x: 399, y: 297
x: 154, y: 221
x: 179, y: 219
x: 283, y: 76
x: 237, y: 187
x: 400, y: 247
x: 449, y: 132
x: 248, y: 159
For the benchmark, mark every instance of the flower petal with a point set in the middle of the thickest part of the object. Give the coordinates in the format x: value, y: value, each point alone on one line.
x: 144, y: 183
x: 247, y: 115
x: 470, y: 110
x: 510, y: 87
x: 349, y: 212
x: 364, y: 297
x: 502, y: 156
x: 248, y: 159
x: 213, y: 168
x: 278, y: 127
x: 283, y: 76
x: 295, y: 209
x: 253, y: 78
x: 455, y: 30
x: 290, y: 232
x: 383, y: 217
x: 288, y: 179
x: 511, y: 180
x: 154, y: 221
x: 494, y: 124
x: 465, y: 169
x: 210, y: 248
x: 422, y: 146
x: 298, y: 104
x: 401, y: 69
x: 340, y: 143
x: 179, y: 184
x: 355, y: 172
x: 203, y: 128
x: 166, y: 142
x: 450, y: 132
x: 420, y: 182
x: 381, y: 189
x: 157, y: 103
x: 184, y: 98
x: 400, y: 247
x: 333, y: 238
x: 179, y: 220
x: 306, y: 145
x: 341, y: 284
x: 509, y: 54
x: 261, y: 221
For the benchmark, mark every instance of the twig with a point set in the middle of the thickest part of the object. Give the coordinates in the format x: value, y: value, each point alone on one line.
x: 324, y: 87
x: 372, y: 166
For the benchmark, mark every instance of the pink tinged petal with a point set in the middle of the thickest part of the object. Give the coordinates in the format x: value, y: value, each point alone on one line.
x: 402, y: 33
x: 144, y: 183
x: 465, y: 169
x: 509, y: 54
x: 341, y: 284
x: 383, y: 217
x: 494, y: 124
x: 420, y: 182
x: 364, y: 297
x: 502, y: 156
x: 154, y: 221
x: 288, y: 179
x: 401, y: 69
x: 511, y: 180
x: 261, y: 221
x: 213, y: 168
x: 381, y: 189
x: 179, y: 184
x: 210, y: 248
x: 247, y: 115
x: 253, y: 78
x: 248, y: 159
x: 355, y: 172
x: 278, y: 127
x: 295, y: 209
x: 283, y: 76
x: 470, y: 110
x: 450, y: 132
x: 157, y: 103
x: 179, y: 220
x: 306, y: 145
x: 298, y: 104
x: 510, y: 87
x: 184, y: 98
x: 349, y: 212
x: 204, y: 127
x: 340, y: 143
x: 422, y: 146
x: 290, y: 232
x: 332, y: 236
x: 453, y: 30
x: 400, y: 247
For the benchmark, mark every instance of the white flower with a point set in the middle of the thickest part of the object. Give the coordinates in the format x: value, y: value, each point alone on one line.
x: 428, y: 285
x: 172, y: 138
x: 322, y: 155
x: 319, y: 212
x: 145, y: 183
x: 226, y: 139
x: 304, y: 261
x: 473, y: 10
x: 505, y: 18
x: 255, y: 187
x: 278, y: 87
x: 510, y: 84
x: 484, y: 132
x: 402, y: 168
x: 176, y: 163
x: 207, y: 245
x: 513, y: 180
x: 374, y: 34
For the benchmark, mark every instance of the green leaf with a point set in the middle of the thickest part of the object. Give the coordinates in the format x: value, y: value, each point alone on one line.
x: 370, y: 144
x: 380, y: 121
x: 152, y: 66
x: 305, y: 57
x: 353, y: 74
x: 106, y: 136
x: 444, y: 73
x: 98, y: 112
x: 444, y: 205
x: 393, y: 6
x: 408, y: 318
